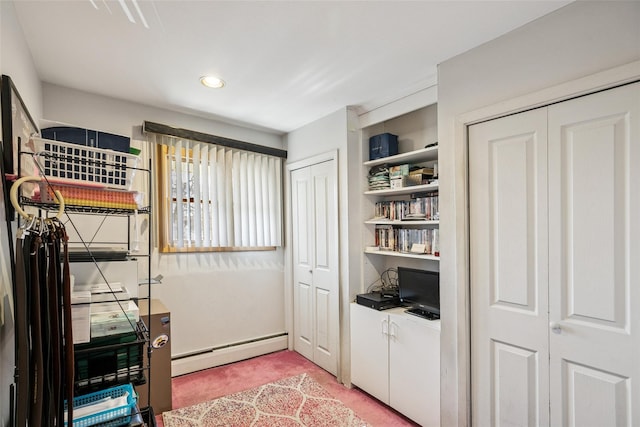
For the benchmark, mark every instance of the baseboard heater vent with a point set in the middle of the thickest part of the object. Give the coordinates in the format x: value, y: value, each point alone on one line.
x: 228, y: 353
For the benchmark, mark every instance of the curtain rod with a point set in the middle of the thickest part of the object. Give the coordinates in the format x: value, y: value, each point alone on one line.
x: 212, y: 139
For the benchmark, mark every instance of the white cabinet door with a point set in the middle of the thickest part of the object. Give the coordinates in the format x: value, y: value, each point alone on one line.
x: 508, y: 242
x: 414, y: 368
x: 594, y: 254
x: 370, y: 351
x: 315, y: 264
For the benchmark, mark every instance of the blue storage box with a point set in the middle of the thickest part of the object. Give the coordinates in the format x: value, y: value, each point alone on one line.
x: 113, y: 417
x: 88, y: 138
x: 383, y: 145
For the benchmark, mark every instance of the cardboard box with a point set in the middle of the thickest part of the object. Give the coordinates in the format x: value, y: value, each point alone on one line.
x: 398, y: 182
x: 418, y: 179
x: 398, y: 170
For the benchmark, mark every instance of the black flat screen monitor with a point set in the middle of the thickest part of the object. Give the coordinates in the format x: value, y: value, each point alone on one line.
x: 420, y: 289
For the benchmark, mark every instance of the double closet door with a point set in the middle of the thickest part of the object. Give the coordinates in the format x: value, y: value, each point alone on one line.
x: 555, y: 264
x: 315, y: 264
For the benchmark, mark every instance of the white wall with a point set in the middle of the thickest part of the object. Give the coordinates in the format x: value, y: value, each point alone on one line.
x: 337, y: 131
x: 578, y: 40
x: 215, y: 299
x: 16, y: 62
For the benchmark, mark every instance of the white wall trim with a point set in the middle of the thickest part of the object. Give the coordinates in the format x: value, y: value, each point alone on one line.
x: 227, y: 355
x: 589, y: 84
x: 420, y: 99
x: 585, y: 85
x: 313, y: 160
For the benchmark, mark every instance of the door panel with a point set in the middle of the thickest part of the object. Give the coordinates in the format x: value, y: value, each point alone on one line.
x: 594, y: 202
x: 508, y: 259
x: 594, y: 397
x: 593, y: 167
x: 321, y: 209
x: 509, y: 179
x: 516, y: 371
x: 304, y: 327
x: 323, y: 314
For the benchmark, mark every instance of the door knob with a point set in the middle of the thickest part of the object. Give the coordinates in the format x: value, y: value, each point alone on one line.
x: 555, y: 327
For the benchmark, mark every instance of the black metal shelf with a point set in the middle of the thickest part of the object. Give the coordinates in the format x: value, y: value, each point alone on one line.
x: 25, y: 201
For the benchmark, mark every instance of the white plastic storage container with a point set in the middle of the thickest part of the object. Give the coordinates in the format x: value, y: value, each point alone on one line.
x: 77, y: 164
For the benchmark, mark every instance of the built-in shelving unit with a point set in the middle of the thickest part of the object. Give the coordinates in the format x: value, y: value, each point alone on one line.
x: 385, y: 344
x: 420, y: 156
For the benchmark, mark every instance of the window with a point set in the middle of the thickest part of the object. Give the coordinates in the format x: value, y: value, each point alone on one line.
x: 217, y: 198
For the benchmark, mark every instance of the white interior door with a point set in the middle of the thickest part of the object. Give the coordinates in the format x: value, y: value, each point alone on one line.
x: 594, y: 254
x: 315, y: 263
x: 508, y: 241
x: 555, y: 336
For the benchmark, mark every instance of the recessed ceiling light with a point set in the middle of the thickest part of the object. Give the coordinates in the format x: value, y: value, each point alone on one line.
x: 212, y: 81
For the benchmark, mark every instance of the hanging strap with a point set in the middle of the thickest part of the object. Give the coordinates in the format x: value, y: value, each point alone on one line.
x: 37, y: 359
x: 68, y: 333
x: 23, y: 248
x: 55, y: 339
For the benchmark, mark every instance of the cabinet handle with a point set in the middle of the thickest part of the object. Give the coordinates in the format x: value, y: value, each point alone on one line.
x: 385, y: 327
x: 555, y: 327
x: 392, y: 330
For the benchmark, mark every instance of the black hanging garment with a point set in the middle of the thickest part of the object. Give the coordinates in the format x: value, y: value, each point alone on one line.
x: 44, y: 352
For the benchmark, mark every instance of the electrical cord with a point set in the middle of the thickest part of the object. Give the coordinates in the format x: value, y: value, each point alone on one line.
x: 387, y: 283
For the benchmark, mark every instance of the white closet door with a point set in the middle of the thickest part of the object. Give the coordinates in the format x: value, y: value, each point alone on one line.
x: 509, y: 288
x: 315, y: 260
x: 594, y: 271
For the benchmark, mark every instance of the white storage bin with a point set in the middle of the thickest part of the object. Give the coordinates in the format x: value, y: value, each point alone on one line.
x: 78, y: 164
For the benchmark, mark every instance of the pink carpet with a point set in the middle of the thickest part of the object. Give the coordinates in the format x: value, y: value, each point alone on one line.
x: 209, y: 384
x: 294, y: 401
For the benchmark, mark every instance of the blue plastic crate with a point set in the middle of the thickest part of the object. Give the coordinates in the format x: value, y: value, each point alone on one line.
x: 113, y: 417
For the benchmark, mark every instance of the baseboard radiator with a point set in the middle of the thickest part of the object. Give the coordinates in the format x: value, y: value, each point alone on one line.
x: 229, y: 353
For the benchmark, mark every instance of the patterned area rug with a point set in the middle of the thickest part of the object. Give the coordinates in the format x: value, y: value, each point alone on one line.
x: 295, y: 401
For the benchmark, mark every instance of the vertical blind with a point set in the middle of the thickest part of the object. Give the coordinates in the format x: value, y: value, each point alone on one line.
x: 221, y: 197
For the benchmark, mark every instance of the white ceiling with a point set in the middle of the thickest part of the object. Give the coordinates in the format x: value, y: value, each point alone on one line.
x: 285, y: 63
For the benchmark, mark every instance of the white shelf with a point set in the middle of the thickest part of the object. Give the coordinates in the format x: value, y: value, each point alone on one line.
x: 402, y: 255
x: 397, y: 222
x: 422, y: 155
x: 403, y: 190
